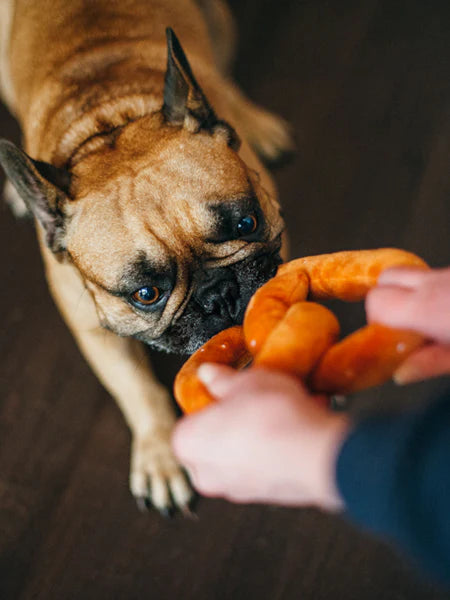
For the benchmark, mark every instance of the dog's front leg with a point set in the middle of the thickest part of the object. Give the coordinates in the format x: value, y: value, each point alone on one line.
x: 122, y: 366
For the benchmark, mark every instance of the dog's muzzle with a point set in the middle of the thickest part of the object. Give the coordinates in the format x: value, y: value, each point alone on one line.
x: 217, y: 291
x: 219, y: 298
x: 217, y: 294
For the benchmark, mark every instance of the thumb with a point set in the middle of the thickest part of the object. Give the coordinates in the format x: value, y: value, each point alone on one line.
x: 218, y: 379
x: 430, y: 361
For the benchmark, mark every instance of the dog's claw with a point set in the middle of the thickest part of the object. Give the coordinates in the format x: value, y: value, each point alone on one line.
x: 156, y: 479
x: 188, y: 509
x: 188, y: 513
x: 143, y: 503
x: 167, y: 512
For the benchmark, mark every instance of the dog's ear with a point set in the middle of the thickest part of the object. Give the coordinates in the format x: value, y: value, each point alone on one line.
x: 43, y: 187
x: 184, y: 97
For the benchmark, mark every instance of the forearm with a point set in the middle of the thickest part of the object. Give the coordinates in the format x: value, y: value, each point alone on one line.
x: 393, y: 475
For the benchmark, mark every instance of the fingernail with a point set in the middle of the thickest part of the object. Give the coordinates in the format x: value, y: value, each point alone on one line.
x: 207, y: 373
x: 404, y: 375
x: 407, y: 277
x: 391, y: 290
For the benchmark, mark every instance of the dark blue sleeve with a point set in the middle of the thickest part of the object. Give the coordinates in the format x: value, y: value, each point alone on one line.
x: 394, y: 475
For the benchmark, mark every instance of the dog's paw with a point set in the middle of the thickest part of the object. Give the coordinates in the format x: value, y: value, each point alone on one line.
x: 269, y: 135
x: 14, y: 201
x: 156, y: 478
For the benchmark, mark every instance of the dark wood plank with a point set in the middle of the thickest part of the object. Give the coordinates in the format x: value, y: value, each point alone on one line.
x: 366, y: 88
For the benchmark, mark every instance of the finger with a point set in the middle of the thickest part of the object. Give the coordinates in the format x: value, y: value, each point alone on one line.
x: 424, y: 310
x: 409, y: 277
x: 205, y: 480
x: 202, y: 434
x: 218, y: 379
x: 430, y: 361
x: 393, y: 306
x: 188, y: 440
x: 225, y: 383
x: 209, y: 480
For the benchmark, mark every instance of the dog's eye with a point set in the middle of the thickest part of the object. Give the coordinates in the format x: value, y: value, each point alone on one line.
x: 146, y: 295
x: 247, y: 225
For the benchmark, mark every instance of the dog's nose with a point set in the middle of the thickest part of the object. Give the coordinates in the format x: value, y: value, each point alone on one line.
x: 218, y: 294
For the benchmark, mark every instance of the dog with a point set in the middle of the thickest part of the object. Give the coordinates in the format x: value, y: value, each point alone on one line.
x: 155, y: 221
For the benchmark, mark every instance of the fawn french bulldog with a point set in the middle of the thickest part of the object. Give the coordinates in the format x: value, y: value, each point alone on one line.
x: 156, y: 223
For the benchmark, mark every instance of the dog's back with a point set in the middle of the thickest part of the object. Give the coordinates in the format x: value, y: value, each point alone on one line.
x: 65, y: 59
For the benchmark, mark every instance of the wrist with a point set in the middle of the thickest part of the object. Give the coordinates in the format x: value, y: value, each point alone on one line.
x: 328, y: 441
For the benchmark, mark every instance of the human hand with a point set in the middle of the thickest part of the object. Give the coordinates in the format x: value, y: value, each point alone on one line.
x: 417, y: 300
x: 265, y: 440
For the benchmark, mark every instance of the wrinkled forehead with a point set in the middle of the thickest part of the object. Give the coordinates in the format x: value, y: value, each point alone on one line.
x: 176, y: 164
x: 157, y: 205
x: 199, y: 164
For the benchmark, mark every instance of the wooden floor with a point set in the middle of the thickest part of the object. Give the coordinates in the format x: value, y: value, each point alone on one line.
x: 365, y: 85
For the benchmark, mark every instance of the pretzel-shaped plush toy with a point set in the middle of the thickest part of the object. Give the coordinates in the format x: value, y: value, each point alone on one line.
x: 284, y: 331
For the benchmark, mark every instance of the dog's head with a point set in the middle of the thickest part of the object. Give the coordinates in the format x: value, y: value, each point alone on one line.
x: 170, y: 230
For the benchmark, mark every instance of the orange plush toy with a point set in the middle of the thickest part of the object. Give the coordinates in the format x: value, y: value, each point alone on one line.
x: 284, y: 330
